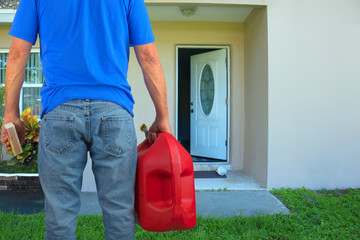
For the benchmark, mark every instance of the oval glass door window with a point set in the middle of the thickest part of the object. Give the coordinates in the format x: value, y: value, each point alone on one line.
x: 207, y: 92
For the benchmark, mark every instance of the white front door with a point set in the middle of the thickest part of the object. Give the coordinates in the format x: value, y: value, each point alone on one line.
x: 208, y: 124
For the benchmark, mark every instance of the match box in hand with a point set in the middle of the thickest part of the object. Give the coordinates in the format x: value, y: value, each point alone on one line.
x: 13, y: 138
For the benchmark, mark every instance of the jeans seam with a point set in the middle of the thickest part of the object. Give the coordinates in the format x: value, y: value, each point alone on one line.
x: 103, y: 109
x: 97, y: 110
x: 71, y: 109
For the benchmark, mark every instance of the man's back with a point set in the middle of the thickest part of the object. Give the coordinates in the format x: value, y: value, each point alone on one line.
x: 84, y: 46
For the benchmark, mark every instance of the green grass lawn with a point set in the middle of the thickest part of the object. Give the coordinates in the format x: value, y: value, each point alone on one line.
x: 315, y: 215
x: 5, y: 168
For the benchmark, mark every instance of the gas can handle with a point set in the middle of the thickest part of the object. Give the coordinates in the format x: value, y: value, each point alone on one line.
x: 144, y: 129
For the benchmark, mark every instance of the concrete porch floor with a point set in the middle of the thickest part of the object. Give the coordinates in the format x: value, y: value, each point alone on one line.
x: 234, y: 181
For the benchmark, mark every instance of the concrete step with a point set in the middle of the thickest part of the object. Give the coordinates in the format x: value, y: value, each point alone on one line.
x: 214, y: 203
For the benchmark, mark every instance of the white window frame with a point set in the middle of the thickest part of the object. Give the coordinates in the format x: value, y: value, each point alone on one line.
x: 28, y: 85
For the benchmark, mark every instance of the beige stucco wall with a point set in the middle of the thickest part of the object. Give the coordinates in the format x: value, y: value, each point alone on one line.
x: 256, y: 96
x: 6, y: 39
x: 170, y: 34
x: 314, y: 86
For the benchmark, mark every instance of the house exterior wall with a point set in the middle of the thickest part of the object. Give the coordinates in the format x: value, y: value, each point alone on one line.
x: 314, y: 86
x: 6, y: 39
x: 171, y: 34
x: 256, y: 96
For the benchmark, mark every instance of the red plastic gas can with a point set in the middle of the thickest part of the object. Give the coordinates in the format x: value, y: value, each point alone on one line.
x: 165, y: 192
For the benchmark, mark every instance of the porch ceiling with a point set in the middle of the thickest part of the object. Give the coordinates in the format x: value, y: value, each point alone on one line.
x: 173, y: 13
x: 203, y: 13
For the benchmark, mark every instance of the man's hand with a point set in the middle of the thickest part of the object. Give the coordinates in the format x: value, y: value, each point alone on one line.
x: 20, y: 129
x: 159, y: 125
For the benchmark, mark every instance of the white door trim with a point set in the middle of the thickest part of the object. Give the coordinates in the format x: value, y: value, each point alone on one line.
x: 227, y: 87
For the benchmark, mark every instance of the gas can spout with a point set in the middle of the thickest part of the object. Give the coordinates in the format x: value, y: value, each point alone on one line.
x: 144, y: 129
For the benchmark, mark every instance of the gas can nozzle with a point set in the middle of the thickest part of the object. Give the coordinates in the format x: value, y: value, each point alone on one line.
x: 144, y: 129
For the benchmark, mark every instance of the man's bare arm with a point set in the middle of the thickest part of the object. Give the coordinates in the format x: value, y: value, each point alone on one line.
x: 149, y: 61
x: 14, y: 79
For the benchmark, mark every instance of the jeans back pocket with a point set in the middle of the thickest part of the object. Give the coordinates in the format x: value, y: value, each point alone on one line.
x: 59, y: 133
x: 116, y: 134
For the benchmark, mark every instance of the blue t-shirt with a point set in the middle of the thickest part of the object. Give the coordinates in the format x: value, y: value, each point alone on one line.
x: 84, y: 46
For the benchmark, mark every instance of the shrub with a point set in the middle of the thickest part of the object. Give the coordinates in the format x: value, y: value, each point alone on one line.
x: 30, y: 146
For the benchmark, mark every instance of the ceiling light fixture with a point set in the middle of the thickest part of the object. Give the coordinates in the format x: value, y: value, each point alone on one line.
x: 188, y: 11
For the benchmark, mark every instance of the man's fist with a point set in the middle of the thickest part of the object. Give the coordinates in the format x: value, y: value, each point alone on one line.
x: 20, y: 129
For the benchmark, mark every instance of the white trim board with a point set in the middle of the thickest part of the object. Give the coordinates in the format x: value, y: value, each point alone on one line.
x: 7, y: 16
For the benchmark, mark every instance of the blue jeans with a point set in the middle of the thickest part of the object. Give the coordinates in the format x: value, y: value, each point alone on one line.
x: 67, y: 133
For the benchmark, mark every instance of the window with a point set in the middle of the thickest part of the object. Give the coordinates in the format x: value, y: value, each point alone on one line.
x: 34, y: 79
x: 207, y: 87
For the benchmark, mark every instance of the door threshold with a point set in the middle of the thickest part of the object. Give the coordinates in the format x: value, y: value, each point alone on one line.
x: 205, y: 166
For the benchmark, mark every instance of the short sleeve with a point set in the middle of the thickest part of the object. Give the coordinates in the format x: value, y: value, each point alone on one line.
x: 25, y: 24
x: 139, y: 23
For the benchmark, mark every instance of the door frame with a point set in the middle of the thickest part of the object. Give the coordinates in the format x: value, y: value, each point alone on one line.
x: 228, y: 107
